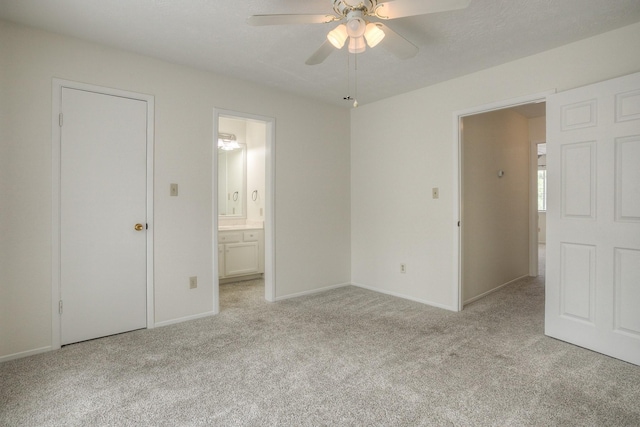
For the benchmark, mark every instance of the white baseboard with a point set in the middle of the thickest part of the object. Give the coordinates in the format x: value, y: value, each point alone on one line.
x: 184, y: 319
x: 240, y: 278
x: 313, y: 291
x: 497, y: 288
x: 25, y: 353
x: 50, y: 348
x: 403, y: 296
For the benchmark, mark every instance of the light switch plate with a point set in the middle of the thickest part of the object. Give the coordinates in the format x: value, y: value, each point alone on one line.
x: 435, y: 192
x: 173, y: 189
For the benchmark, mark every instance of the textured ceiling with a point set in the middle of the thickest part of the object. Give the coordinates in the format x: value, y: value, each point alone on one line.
x: 213, y: 35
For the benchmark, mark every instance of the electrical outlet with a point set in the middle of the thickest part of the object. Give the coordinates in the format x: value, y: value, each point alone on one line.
x: 403, y: 268
x: 193, y: 282
x: 435, y: 192
x: 173, y: 189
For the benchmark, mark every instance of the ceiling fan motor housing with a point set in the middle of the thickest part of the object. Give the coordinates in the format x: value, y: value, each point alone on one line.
x: 343, y: 7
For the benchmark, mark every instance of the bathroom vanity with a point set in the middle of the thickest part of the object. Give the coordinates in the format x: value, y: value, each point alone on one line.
x: 240, y: 252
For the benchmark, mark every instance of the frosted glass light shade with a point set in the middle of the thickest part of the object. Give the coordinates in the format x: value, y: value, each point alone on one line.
x: 338, y: 36
x: 356, y: 45
x: 228, y: 145
x: 373, y: 34
x: 356, y: 27
x: 227, y: 142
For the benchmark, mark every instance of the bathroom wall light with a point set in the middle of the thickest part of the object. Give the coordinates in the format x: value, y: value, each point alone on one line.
x: 227, y: 141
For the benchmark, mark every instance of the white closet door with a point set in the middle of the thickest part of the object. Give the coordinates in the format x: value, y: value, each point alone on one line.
x: 103, y: 197
x: 593, y: 217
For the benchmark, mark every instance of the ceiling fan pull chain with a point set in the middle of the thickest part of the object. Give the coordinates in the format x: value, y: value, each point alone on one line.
x: 348, y: 97
x: 348, y: 75
x: 355, y: 72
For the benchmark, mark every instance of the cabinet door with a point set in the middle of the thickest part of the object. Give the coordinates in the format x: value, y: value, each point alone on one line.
x: 241, y: 258
x: 221, y: 272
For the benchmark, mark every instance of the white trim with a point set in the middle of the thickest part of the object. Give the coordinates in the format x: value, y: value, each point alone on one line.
x: 457, y: 171
x: 57, y: 85
x: 184, y: 319
x: 312, y: 291
x: 457, y: 213
x: 27, y: 353
x: 269, y: 208
x: 497, y: 288
x: 403, y: 296
x: 150, y: 214
x: 244, y: 278
x: 270, y: 213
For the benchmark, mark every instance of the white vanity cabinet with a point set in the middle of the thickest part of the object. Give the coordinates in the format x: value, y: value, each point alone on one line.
x: 240, y: 253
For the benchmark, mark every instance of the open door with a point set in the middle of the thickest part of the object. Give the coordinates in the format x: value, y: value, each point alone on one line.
x: 593, y: 217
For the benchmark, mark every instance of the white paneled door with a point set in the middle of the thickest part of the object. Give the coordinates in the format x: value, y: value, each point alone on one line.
x: 593, y: 217
x: 102, y: 215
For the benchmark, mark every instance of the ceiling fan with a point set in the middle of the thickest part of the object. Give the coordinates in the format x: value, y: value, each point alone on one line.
x: 361, y: 26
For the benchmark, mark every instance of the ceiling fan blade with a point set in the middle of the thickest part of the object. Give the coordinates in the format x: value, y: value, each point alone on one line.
x: 257, y: 20
x: 392, y: 9
x: 321, y: 54
x: 396, y: 44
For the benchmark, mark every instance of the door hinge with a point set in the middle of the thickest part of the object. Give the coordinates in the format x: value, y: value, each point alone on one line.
x: 147, y: 226
x: 60, y: 307
x: 60, y: 119
x: 458, y: 223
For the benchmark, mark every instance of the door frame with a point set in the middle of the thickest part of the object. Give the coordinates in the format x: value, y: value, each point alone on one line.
x: 269, y: 208
x: 458, y: 223
x: 57, y: 86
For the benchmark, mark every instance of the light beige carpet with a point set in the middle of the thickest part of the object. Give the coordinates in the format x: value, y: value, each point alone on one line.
x: 344, y: 357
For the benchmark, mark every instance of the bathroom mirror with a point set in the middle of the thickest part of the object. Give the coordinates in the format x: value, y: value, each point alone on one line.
x: 232, y: 182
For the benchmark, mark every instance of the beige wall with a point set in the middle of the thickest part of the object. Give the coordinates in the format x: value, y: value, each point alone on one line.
x: 538, y: 129
x: 311, y: 178
x: 495, y: 210
x: 403, y: 146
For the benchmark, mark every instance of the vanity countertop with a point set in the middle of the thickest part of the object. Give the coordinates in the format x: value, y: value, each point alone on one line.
x: 239, y: 227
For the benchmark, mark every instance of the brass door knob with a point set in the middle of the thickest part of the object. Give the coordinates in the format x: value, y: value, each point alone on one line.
x: 138, y: 227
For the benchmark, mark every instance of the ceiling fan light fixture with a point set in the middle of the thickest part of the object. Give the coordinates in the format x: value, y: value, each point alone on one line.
x: 357, y: 45
x: 356, y: 26
x: 338, y: 36
x: 373, y: 34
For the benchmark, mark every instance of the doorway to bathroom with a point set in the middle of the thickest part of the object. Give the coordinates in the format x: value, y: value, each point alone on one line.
x: 243, y: 208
